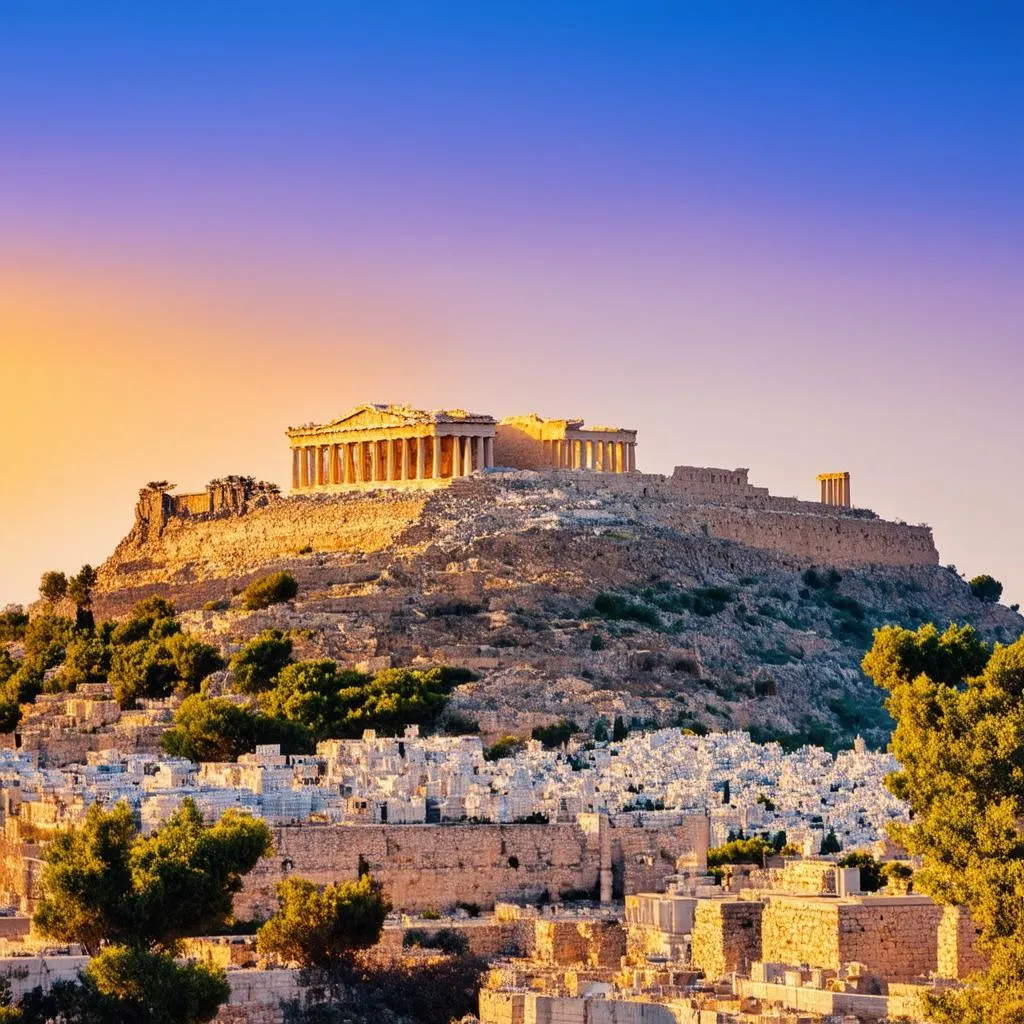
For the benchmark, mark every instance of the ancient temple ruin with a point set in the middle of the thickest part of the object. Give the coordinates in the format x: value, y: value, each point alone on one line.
x: 397, y: 446
x: 532, y: 442
x: 390, y: 445
x: 835, y: 489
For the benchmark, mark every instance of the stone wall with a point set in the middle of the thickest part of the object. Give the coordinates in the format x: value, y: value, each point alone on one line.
x: 896, y: 937
x: 726, y: 936
x: 588, y: 943
x: 436, y: 866
x: 709, y: 482
x: 229, y: 546
x: 958, y: 952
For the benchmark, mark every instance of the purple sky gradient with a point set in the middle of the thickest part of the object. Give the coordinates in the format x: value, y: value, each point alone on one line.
x: 789, y: 240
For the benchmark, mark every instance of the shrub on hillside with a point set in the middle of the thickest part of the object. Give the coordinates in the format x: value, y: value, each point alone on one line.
x: 986, y: 589
x: 276, y: 588
x: 615, y: 606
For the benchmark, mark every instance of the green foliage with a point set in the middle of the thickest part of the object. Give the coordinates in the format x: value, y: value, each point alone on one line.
x: 86, y: 660
x: 218, y: 729
x: 150, y: 656
x: 708, y: 601
x: 46, y: 640
x: 256, y: 665
x: 901, y: 655
x: 830, y: 844
x: 986, y: 589
x: 53, y: 586
x: 870, y: 869
x: 615, y: 606
x: 321, y: 927
x: 740, y: 851
x: 458, y: 724
x: 619, y: 730
x: 275, y: 588
x: 597, y: 642
x: 403, y: 990
x: 342, y: 703
x: 556, y: 735
x: 152, y: 987
x: 80, y: 586
x: 959, y: 739
x: 601, y: 731
x: 104, y: 882
x: 506, y: 746
x: 13, y: 623
x: 898, y: 877
x: 447, y: 940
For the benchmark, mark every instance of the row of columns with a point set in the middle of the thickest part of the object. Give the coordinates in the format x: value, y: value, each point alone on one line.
x: 600, y: 456
x: 389, y: 460
x: 835, y: 489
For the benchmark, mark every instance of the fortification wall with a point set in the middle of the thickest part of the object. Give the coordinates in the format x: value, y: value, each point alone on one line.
x: 436, y: 866
x: 224, y: 544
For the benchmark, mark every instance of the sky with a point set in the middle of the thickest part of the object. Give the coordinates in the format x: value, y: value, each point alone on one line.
x: 783, y: 236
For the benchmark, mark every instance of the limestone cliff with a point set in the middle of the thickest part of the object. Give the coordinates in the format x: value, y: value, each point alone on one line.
x: 707, y: 610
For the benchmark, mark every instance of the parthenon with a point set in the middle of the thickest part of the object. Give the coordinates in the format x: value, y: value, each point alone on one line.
x: 835, y: 489
x: 397, y: 446
x: 390, y: 445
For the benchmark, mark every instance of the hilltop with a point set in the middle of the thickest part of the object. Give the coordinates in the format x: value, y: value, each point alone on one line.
x: 570, y: 595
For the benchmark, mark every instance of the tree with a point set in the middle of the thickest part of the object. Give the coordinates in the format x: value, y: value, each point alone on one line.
x: 150, y: 987
x: 986, y: 589
x: 104, y: 882
x: 53, y: 586
x: 321, y: 927
x: 870, y: 869
x: 218, y: 729
x: 129, y: 898
x: 276, y: 588
x: 830, y: 844
x: 959, y: 739
x: 555, y: 735
x: 619, y: 730
x: 256, y: 665
x: 740, y: 851
x: 210, y: 729
x: 80, y: 592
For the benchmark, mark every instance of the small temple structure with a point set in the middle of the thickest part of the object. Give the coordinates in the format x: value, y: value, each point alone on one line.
x: 398, y: 446
x: 390, y: 445
x: 835, y: 489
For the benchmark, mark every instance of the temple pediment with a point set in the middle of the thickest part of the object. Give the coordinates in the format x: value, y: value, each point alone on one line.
x: 368, y: 417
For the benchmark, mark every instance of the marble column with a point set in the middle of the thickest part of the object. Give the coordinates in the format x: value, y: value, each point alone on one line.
x: 374, y: 460
x: 303, y: 467
x: 421, y: 457
x: 631, y: 447
x: 478, y: 456
x: 488, y: 452
x: 295, y: 468
x: 823, y: 495
x: 435, y: 469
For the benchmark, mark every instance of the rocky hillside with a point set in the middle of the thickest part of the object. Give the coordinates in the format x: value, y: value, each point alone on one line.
x: 567, y: 598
